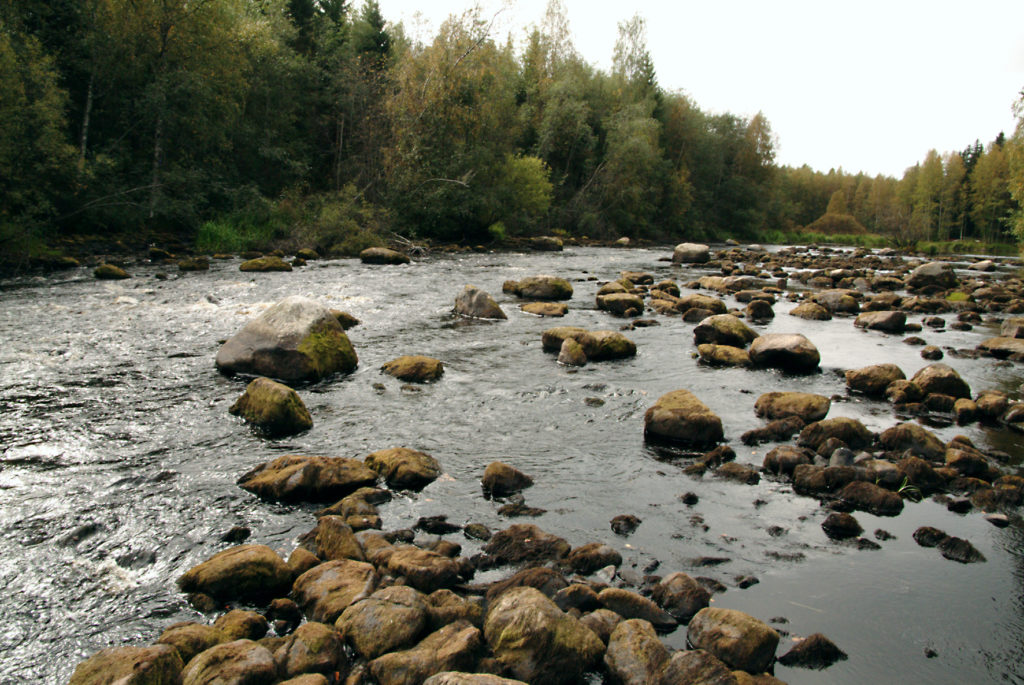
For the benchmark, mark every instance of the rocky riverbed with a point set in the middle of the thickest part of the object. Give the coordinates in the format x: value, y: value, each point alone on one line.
x: 740, y: 438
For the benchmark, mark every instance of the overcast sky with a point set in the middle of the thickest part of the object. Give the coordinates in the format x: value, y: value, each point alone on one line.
x: 869, y: 87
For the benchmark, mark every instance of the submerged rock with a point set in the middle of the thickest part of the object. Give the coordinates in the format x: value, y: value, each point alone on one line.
x: 296, y: 339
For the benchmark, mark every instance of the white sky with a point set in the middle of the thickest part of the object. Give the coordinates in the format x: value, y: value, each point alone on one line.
x: 867, y: 86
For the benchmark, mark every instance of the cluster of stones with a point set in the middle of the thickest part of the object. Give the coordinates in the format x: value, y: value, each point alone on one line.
x: 356, y: 605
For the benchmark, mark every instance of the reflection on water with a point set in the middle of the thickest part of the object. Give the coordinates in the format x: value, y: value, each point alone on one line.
x: 119, y: 458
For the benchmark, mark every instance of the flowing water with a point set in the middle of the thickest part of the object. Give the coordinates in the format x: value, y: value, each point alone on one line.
x: 118, y: 458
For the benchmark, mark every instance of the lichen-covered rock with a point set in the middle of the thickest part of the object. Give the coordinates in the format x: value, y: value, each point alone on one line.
x: 635, y: 655
x: 885, y: 321
x: 873, y: 380
x: 679, y: 417
x: 621, y: 304
x: 326, y: 590
x: 723, y: 329
x: 477, y: 304
x: 272, y: 408
x: 681, y: 596
x: 933, y: 275
x: 414, y: 368
x: 941, y: 379
x: 592, y: 556
x: 914, y: 437
x: 191, y: 638
x: 723, y: 355
x: 382, y: 255
x: 156, y: 665
x: 405, y: 468
x: 423, y: 569
x: 536, y: 641
x: 868, y: 497
x: 444, y: 607
x: 525, y: 542
x: 786, y: 351
x: 500, y: 479
x: 302, y: 478
x: 738, y: 639
x: 390, y: 619
x: 540, y: 288
x: 691, y: 253
x: 312, y: 648
x: 335, y: 539
x: 240, y: 624
x: 246, y: 572
x: 850, y: 431
x: 295, y: 340
x: 241, y: 661
x: 628, y: 604
x: 109, y: 272
x: 812, y: 311
x: 264, y: 264
x: 455, y: 647
x: 782, y: 405
x: 609, y: 345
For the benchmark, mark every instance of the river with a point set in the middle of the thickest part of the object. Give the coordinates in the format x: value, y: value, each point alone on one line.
x: 119, y: 460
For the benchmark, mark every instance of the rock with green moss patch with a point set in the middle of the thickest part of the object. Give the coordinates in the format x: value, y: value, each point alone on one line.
x: 109, y: 272
x: 295, y: 340
x: 262, y: 264
x: 414, y: 368
x: 536, y: 641
x: 272, y: 408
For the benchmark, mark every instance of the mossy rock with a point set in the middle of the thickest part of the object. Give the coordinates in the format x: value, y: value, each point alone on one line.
x: 272, y: 408
x: 109, y: 272
x: 414, y: 368
x: 382, y: 255
x: 265, y: 264
x: 156, y: 665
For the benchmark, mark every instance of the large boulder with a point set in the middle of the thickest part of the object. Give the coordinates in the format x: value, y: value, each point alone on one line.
x: 786, y: 351
x: 540, y: 288
x: 326, y: 590
x: 414, y: 368
x: 873, y: 380
x: 156, y: 665
x: 295, y: 340
x: 781, y: 405
x: 536, y: 641
x: 455, y: 647
x: 272, y: 408
x: 405, y: 468
x: 740, y: 640
x: 241, y: 661
x: 477, y: 304
x: 680, y: 418
x: 295, y: 477
x: 245, y: 572
x: 885, y: 321
x: 691, y: 253
x: 932, y: 276
x: 382, y: 255
x: 390, y: 619
x: 723, y: 329
x: 942, y: 379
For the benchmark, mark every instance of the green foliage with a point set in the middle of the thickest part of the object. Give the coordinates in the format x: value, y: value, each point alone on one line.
x: 830, y: 223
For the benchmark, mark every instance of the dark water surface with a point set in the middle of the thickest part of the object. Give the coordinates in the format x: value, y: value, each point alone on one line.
x: 118, y: 458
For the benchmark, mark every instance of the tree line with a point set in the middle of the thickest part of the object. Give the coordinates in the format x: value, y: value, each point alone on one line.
x: 319, y: 121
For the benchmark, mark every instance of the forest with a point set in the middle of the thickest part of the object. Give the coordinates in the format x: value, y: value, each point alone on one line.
x: 251, y: 124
